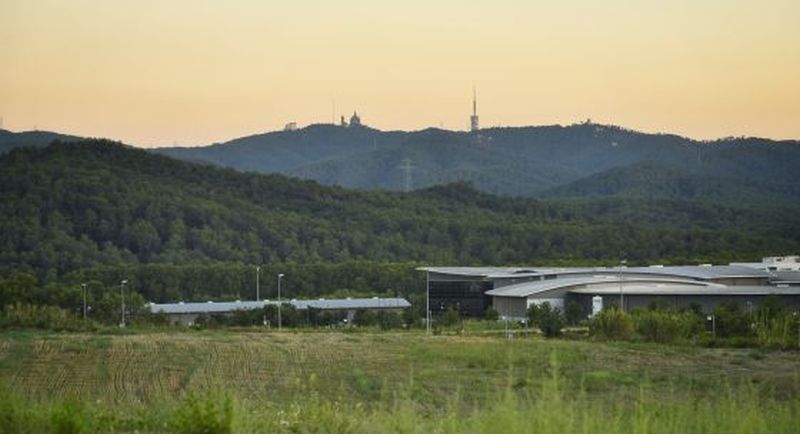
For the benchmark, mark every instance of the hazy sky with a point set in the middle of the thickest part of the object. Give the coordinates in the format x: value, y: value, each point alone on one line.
x: 158, y: 72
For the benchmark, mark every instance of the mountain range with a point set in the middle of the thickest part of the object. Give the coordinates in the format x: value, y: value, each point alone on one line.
x: 575, y: 161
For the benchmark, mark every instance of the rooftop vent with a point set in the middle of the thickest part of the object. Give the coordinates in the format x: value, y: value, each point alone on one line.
x: 705, y: 265
x: 657, y: 266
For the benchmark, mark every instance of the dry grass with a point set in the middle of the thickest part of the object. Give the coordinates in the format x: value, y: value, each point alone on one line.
x: 364, y: 367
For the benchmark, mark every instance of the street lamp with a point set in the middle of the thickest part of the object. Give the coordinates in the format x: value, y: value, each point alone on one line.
x: 258, y: 273
x: 427, y: 302
x: 713, y: 320
x: 280, y: 276
x: 621, y: 300
x: 83, y: 287
x: 122, y: 301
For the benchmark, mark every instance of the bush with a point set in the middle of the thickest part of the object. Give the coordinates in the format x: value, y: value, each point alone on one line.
x: 365, y: 318
x: 491, y: 314
x: 451, y: 317
x: 666, y: 325
x: 731, y: 321
x: 211, y: 414
x: 389, y: 320
x: 39, y: 316
x: 612, y: 324
x: 549, y: 320
x: 573, y: 312
x: 69, y: 418
x: 776, y: 330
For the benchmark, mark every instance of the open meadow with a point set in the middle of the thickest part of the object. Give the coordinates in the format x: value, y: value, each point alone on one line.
x: 251, y: 381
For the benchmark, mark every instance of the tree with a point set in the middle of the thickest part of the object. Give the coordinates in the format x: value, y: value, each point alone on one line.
x: 388, y: 319
x: 549, y: 320
x: 573, y: 312
x: 365, y: 318
x: 450, y: 317
x: 491, y: 314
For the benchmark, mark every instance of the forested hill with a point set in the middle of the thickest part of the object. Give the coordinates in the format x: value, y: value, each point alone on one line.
x: 576, y: 161
x: 10, y: 140
x: 75, y: 205
x: 525, y: 161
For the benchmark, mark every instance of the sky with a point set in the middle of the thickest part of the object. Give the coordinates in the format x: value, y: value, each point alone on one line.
x: 195, y: 72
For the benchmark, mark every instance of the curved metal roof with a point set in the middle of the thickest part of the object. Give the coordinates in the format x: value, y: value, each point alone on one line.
x: 527, y: 289
x: 232, y: 306
x: 700, y: 272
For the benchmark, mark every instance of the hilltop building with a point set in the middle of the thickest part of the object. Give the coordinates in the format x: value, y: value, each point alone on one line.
x: 510, y: 291
x: 355, y: 121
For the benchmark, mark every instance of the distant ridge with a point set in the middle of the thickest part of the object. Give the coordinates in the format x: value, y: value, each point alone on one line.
x: 10, y: 140
x: 580, y: 160
x: 520, y: 161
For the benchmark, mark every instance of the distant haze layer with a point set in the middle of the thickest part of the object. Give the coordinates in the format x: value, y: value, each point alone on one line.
x: 154, y: 73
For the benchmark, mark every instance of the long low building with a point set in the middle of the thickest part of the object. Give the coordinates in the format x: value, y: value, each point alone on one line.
x: 187, y: 313
x: 511, y: 291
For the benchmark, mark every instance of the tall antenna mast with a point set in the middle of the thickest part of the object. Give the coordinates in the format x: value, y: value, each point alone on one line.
x: 474, y: 101
x: 474, y: 125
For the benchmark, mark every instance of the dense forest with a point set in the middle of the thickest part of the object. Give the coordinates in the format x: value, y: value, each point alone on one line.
x: 101, y: 211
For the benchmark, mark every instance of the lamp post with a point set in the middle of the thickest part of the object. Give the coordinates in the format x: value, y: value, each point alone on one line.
x: 122, y: 301
x: 83, y: 287
x: 621, y: 299
x: 713, y: 320
x: 428, y: 302
x: 280, y: 276
x: 258, y: 273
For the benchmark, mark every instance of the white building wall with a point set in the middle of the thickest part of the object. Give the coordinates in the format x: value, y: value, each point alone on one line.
x: 510, y: 307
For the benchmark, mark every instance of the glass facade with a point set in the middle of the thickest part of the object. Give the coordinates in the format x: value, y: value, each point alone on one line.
x: 467, y: 297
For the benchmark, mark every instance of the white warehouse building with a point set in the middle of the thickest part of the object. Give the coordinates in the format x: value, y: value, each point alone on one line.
x: 511, y: 291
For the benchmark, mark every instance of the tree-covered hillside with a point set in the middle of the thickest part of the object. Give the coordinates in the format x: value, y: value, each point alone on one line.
x: 524, y: 161
x: 74, y: 205
x: 10, y: 140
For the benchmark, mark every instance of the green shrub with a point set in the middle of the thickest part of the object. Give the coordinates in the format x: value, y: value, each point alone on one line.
x: 776, y: 330
x: 491, y: 314
x: 666, y: 325
x: 451, y: 317
x: 365, y: 318
x: 21, y: 315
x: 613, y: 324
x: 69, y: 418
x: 209, y: 414
x: 388, y: 320
x: 549, y: 320
x: 573, y: 312
x: 731, y: 321
x: 12, y: 417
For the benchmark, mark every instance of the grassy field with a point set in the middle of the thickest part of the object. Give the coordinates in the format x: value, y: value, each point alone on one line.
x: 376, y: 377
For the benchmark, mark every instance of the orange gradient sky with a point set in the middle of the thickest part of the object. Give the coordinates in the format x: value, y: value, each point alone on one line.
x: 163, y: 72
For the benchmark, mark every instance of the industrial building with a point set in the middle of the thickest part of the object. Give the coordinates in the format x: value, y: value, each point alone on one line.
x: 511, y: 291
x: 187, y: 313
